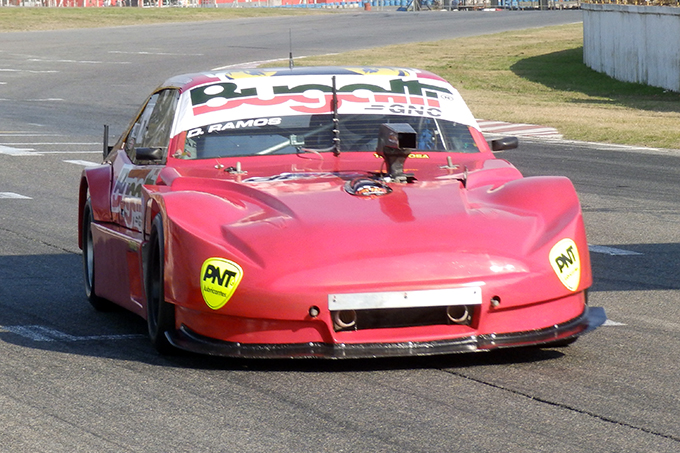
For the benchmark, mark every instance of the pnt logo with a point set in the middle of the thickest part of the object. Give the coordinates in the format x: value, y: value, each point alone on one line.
x: 219, y: 280
x: 566, y: 263
x: 212, y: 273
x: 565, y: 260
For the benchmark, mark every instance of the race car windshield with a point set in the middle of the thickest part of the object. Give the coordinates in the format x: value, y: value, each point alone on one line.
x: 302, y: 133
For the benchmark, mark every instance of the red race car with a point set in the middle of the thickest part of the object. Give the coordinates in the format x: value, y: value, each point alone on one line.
x: 336, y: 212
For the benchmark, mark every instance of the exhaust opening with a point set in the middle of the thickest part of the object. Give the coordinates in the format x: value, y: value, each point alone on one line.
x: 458, y: 314
x: 344, y: 319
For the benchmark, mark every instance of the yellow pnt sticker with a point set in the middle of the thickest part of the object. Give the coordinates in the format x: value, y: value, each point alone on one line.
x: 379, y: 71
x: 219, y: 280
x: 566, y: 263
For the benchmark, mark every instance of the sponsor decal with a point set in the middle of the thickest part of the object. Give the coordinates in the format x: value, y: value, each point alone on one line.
x: 219, y: 280
x: 380, y: 71
x: 410, y: 156
x: 293, y: 177
x: 248, y: 74
x: 240, y: 124
x: 402, y: 96
x: 126, y: 196
x: 367, y: 187
x: 412, y: 110
x: 566, y: 263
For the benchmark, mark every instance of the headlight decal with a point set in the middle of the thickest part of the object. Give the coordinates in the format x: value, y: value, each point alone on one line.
x: 565, y: 261
x: 219, y: 280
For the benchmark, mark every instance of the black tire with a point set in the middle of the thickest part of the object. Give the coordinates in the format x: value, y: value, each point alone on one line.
x: 87, y: 245
x: 160, y: 315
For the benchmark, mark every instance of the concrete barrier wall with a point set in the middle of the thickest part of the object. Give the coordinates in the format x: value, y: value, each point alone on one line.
x: 633, y: 43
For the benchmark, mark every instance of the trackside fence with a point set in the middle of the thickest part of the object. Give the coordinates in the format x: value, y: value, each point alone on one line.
x: 636, y: 2
x: 633, y: 43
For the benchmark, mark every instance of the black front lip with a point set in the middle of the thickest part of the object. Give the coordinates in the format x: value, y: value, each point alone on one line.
x: 590, y: 319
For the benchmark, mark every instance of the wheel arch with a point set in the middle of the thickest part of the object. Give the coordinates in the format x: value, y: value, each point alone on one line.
x: 95, y: 183
x: 154, y: 207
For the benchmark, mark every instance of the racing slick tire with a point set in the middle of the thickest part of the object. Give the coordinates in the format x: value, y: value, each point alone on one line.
x: 160, y: 315
x: 100, y: 304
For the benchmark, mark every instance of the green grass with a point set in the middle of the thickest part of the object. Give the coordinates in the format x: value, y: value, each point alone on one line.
x: 31, y: 19
x: 538, y: 76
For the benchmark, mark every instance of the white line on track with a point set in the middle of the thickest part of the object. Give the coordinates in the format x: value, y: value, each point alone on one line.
x: 64, y: 61
x: 99, y: 151
x: 27, y: 134
x: 28, y: 70
x: 142, y: 52
x: 613, y: 251
x: 13, y: 195
x: 42, y: 333
x: 54, y: 143
x: 84, y: 163
x: 22, y: 152
x: 17, y: 151
x: 31, y: 100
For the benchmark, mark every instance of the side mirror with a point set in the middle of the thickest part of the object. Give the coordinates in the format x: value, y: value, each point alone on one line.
x: 106, y: 147
x: 504, y: 143
x: 149, y: 154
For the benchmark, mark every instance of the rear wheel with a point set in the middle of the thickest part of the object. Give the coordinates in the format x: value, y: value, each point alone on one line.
x: 160, y: 315
x: 88, y: 261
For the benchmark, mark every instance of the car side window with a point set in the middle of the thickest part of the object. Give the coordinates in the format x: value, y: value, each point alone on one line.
x: 152, y: 128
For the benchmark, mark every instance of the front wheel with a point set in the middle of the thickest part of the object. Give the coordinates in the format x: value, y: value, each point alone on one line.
x: 160, y: 315
x: 87, y: 245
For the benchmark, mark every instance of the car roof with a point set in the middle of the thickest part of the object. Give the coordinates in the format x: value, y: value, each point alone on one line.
x: 247, y: 94
x: 191, y: 80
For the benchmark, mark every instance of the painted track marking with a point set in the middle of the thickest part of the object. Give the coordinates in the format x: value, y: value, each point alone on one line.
x: 612, y: 251
x: 84, y: 163
x: 42, y: 333
x: 14, y: 196
x: 8, y: 150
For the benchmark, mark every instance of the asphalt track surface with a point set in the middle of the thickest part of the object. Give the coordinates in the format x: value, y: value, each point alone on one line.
x: 72, y: 379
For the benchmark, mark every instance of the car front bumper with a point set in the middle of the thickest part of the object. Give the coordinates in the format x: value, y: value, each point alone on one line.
x: 591, y: 318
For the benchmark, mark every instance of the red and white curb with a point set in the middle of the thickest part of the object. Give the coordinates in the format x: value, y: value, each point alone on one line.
x: 522, y: 130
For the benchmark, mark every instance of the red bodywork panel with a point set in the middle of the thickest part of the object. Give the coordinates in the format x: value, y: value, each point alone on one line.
x: 430, y: 234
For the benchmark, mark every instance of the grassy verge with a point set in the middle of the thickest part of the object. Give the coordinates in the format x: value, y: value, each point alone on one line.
x: 31, y: 19
x: 537, y: 76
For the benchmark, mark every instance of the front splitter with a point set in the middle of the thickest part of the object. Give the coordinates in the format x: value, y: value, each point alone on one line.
x: 590, y: 319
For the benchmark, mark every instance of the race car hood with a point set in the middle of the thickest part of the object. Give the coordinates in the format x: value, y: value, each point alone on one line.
x: 309, y: 230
